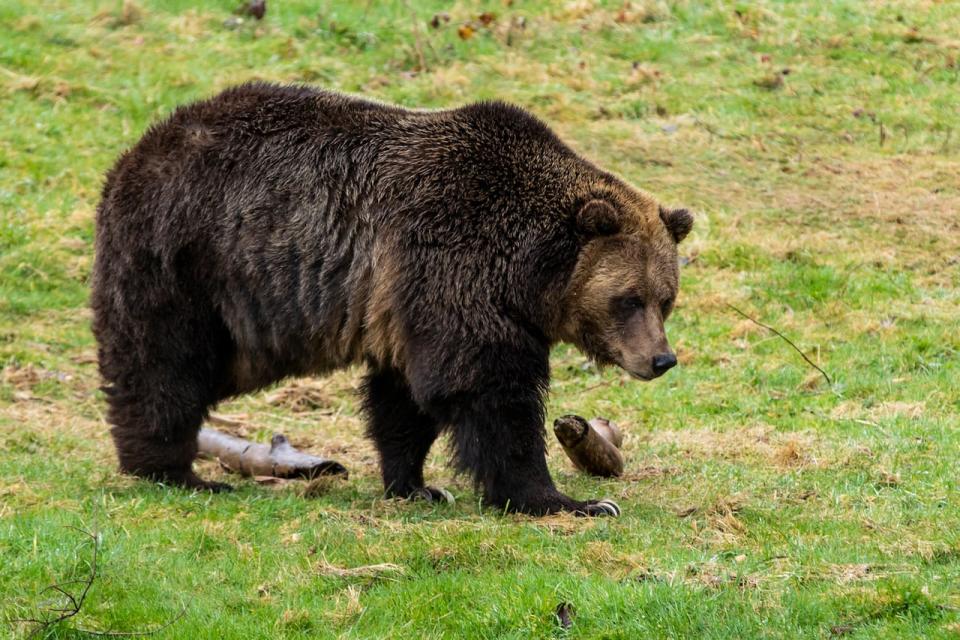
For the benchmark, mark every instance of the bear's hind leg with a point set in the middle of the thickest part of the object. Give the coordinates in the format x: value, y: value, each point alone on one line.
x: 402, y: 433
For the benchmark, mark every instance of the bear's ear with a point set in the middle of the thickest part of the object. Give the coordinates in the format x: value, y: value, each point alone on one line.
x: 679, y: 222
x: 598, y: 218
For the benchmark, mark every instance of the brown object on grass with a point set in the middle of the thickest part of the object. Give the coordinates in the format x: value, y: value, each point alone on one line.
x: 278, y: 459
x: 256, y: 8
x: 592, y: 446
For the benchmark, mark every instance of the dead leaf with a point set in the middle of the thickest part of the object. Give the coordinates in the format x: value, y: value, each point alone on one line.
x: 465, y: 32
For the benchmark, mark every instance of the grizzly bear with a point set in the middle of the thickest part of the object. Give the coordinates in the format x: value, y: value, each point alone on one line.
x: 276, y: 231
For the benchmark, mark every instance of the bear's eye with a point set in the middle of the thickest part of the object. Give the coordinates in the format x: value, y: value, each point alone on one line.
x: 629, y: 304
x: 665, y: 308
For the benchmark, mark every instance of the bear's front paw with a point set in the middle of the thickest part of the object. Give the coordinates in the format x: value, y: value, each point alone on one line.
x: 432, y: 494
x: 552, y: 501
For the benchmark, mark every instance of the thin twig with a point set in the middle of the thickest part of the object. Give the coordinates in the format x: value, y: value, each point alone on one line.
x: 417, y: 44
x: 596, y: 385
x: 76, y: 602
x: 785, y: 339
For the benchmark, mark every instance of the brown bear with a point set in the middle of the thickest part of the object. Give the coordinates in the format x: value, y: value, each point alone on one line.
x: 276, y: 231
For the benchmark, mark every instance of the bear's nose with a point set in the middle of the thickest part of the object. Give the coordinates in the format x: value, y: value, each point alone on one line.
x: 663, y: 362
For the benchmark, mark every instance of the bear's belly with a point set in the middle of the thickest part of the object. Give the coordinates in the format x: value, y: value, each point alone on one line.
x: 299, y: 353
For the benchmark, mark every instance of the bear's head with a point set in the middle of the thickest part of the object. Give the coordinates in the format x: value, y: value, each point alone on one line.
x: 624, y: 284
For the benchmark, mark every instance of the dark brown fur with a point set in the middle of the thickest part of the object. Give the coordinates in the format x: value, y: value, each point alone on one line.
x: 274, y: 231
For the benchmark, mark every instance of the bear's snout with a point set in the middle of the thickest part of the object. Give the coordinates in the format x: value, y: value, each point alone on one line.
x: 646, y: 367
x: 663, y: 362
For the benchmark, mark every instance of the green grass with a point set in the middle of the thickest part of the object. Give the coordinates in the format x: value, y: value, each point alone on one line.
x: 758, y: 501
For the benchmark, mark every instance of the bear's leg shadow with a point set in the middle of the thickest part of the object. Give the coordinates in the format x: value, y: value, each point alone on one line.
x: 161, y: 380
x: 402, y: 433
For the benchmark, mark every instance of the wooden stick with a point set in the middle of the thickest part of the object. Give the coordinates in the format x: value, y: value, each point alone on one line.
x: 278, y: 459
x: 592, y: 446
x: 785, y: 339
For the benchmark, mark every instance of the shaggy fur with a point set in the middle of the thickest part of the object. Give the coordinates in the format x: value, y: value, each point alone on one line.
x: 275, y: 231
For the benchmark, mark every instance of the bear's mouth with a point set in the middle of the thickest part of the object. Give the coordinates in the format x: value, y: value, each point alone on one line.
x: 636, y: 375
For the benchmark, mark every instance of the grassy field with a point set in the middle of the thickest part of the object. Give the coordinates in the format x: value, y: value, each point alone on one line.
x: 818, y: 143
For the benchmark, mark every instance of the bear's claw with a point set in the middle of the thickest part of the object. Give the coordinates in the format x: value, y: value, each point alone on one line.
x: 432, y: 494
x: 605, y: 507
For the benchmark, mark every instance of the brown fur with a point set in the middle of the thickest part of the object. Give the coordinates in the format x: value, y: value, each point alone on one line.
x: 278, y: 231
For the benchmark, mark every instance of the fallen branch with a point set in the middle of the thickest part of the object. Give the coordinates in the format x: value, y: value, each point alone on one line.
x: 279, y: 459
x: 593, y: 447
x: 785, y: 339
